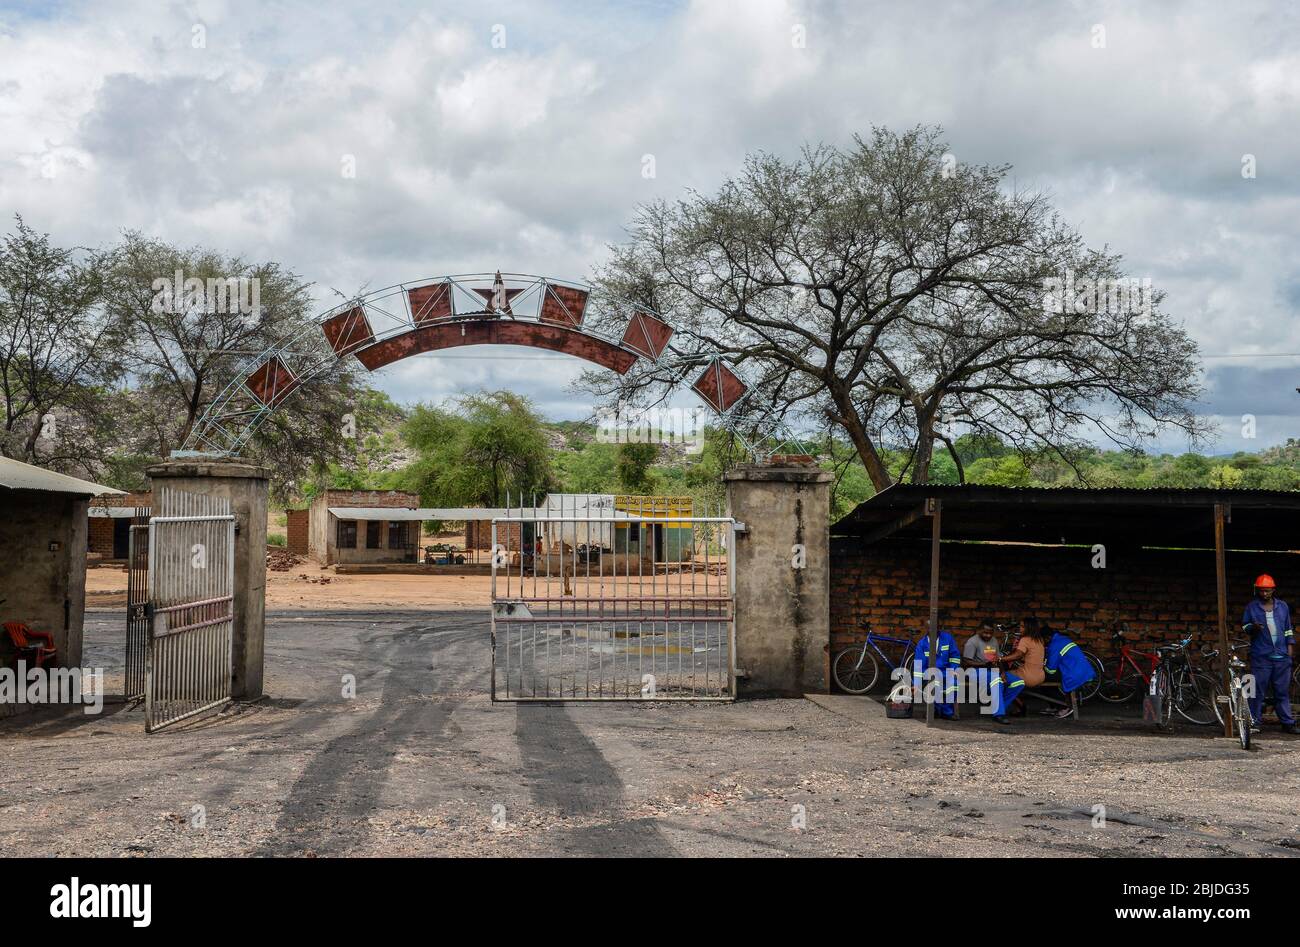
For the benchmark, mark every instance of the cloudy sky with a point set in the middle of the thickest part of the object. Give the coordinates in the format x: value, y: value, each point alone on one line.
x: 229, y: 124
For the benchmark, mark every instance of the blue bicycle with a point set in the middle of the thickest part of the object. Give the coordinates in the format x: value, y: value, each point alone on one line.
x: 858, y: 669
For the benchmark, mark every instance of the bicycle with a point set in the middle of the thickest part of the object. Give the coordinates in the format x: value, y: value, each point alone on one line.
x: 1194, y: 691
x: 856, y: 669
x: 1237, y: 700
x: 1129, y: 677
x: 1176, y: 684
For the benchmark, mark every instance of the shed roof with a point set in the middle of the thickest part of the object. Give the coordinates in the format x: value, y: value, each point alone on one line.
x: 1159, y: 516
x: 466, y: 513
x: 15, y: 475
x: 113, y: 512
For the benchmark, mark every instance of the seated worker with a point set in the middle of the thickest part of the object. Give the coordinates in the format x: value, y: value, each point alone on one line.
x: 1028, y: 657
x: 1067, y: 658
x: 1026, y: 660
x: 949, y: 659
x: 981, y: 653
x: 983, y: 645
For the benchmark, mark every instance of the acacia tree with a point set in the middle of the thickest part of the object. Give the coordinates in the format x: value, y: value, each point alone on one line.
x: 181, y: 344
x: 57, y: 351
x: 891, y: 293
x: 183, y: 347
x: 491, y: 444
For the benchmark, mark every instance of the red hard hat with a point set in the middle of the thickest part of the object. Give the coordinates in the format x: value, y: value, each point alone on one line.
x: 1265, y: 582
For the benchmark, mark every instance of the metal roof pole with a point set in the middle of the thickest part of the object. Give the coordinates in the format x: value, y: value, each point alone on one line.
x: 935, y: 511
x: 1220, y: 568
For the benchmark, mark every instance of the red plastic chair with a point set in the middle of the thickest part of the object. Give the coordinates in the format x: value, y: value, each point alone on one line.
x: 27, y: 645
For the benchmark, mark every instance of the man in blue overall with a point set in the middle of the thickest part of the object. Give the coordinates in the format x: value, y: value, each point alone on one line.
x: 1002, y: 686
x: 1267, y: 620
x: 949, y: 659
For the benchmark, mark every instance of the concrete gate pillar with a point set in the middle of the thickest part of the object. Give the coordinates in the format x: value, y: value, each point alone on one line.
x: 782, y: 609
x: 244, y: 484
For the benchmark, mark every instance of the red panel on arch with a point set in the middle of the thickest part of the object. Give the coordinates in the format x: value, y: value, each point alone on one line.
x: 431, y: 302
x: 271, y: 382
x: 647, y: 335
x: 348, y: 331
x: 446, y: 335
x: 719, y: 386
x: 563, y: 305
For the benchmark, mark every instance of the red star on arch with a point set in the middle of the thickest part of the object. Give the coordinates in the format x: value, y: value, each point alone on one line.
x: 497, y: 298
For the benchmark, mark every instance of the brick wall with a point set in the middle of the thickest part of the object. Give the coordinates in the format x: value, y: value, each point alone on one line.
x: 478, y: 534
x: 101, y: 536
x: 296, y: 522
x: 1159, y: 593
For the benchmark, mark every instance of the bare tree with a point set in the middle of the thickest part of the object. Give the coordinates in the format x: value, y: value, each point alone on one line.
x: 890, y: 292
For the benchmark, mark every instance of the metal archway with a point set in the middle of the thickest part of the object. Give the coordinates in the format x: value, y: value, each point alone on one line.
x: 407, y: 319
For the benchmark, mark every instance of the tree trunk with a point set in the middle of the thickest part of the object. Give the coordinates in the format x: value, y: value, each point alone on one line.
x: 924, y: 451
x: 849, y: 420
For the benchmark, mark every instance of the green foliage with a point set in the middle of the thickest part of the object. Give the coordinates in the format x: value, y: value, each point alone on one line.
x: 591, y: 469
x: 493, y: 443
x: 633, y: 467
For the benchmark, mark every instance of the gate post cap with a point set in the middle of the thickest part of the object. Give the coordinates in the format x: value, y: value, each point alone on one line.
x: 214, y: 465
x: 780, y: 473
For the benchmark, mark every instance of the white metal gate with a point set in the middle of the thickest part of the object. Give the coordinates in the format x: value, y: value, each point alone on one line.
x: 613, y: 598
x: 191, y: 608
x: 137, y: 612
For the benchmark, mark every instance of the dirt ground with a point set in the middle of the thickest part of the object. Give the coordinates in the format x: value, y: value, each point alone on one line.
x: 421, y: 761
x: 309, y: 586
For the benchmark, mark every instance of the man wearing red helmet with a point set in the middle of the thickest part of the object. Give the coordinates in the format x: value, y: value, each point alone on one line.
x: 1268, y: 622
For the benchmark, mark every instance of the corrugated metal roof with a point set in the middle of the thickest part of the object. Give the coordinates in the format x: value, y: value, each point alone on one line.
x: 16, y: 475
x: 112, y: 512
x: 1155, y: 516
x: 476, y: 513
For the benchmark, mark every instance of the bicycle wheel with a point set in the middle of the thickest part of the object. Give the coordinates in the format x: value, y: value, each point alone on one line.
x: 1125, y: 687
x: 853, y: 676
x: 1195, y: 696
x: 1164, y: 697
x: 1241, y: 713
x: 1089, y: 691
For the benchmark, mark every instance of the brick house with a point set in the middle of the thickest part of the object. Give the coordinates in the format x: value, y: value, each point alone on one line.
x: 370, y: 535
x: 109, y: 518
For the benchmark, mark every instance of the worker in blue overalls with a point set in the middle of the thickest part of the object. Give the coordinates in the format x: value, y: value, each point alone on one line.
x: 1002, y: 686
x: 949, y: 660
x: 1267, y: 620
x: 1066, y: 658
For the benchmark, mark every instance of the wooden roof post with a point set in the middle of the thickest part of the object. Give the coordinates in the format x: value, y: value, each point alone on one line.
x: 934, y: 508
x: 1221, y: 574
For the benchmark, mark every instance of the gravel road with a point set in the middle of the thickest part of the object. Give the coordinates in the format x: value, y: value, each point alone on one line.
x: 421, y: 762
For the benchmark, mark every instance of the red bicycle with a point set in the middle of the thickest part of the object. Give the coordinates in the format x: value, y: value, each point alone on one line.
x: 1132, y: 673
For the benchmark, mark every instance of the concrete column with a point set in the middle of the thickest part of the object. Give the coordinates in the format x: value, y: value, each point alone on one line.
x: 782, y: 612
x: 245, y: 485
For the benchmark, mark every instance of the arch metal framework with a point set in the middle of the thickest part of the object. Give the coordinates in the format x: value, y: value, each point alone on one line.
x: 444, y: 312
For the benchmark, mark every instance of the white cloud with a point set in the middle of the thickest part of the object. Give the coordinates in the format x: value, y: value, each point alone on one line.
x: 528, y: 158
